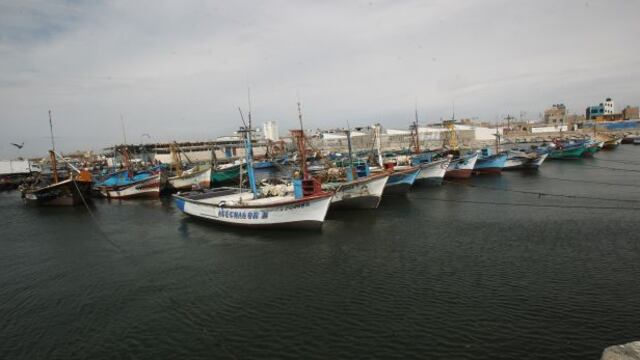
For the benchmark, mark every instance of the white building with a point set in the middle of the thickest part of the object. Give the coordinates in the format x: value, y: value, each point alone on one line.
x: 608, y: 106
x: 271, y: 131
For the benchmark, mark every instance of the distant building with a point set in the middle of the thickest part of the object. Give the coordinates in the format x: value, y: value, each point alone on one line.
x: 555, y: 115
x: 601, y: 110
x: 271, y: 131
x: 608, y: 107
x: 630, y: 112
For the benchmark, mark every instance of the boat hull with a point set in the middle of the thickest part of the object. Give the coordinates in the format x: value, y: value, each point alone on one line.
x: 64, y: 193
x: 519, y: 163
x: 432, y: 174
x: 490, y: 165
x: 401, y: 181
x: 225, y: 176
x: 574, y: 153
x: 461, y: 168
x: 360, y: 194
x: 200, y: 179
x: 147, y: 188
x: 305, y: 213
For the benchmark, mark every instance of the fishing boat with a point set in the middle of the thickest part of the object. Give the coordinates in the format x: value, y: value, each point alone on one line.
x: 401, y: 177
x: 198, y: 176
x: 462, y: 167
x: 592, y: 147
x: 564, y: 150
x: 522, y: 159
x: 489, y: 163
x: 359, y: 193
x: 433, y: 172
x: 226, y: 174
x: 612, y: 144
x: 630, y: 139
x: 306, y: 208
x: 74, y: 190
x: 355, y: 187
x: 131, y: 183
x: 68, y: 192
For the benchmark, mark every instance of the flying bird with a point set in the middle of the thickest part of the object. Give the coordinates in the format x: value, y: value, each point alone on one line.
x: 18, y: 146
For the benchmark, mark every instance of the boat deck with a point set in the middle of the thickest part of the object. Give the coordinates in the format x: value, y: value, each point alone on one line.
x: 233, y: 197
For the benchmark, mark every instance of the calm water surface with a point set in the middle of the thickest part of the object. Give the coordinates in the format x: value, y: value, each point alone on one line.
x: 454, y: 272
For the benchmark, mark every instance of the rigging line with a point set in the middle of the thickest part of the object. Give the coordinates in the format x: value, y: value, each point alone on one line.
x: 540, y: 193
x: 95, y: 220
x: 587, y: 181
x: 529, y: 205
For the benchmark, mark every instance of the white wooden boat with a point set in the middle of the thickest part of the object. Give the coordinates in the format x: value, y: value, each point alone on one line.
x: 232, y: 207
x: 432, y: 173
x: 524, y: 160
x: 361, y: 193
x: 462, y: 167
x: 197, y: 177
x: 146, y: 188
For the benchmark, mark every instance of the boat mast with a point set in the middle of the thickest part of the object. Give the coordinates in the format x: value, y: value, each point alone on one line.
x: 248, y: 155
x: 415, y: 135
x: 52, y: 152
x: 301, y: 146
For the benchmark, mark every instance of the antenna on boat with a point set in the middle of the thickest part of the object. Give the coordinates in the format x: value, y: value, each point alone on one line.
x: 349, y: 144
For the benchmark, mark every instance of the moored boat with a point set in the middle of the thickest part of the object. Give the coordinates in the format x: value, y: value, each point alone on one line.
x: 489, y: 163
x: 360, y: 193
x: 196, y: 177
x: 72, y: 191
x: 520, y: 159
x: 432, y: 173
x: 612, y: 143
x: 462, y: 167
x: 630, y: 139
x: 226, y: 174
x: 305, y: 208
x: 148, y: 187
x: 567, y: 151
x: 401, y: 180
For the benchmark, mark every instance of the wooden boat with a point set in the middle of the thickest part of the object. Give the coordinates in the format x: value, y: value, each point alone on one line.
x: 520, y: 159
x: 592, y: 147
x: 199, y: 176
x: 306, y: 208
x: 612, y: 144
x: 489, y: 163
x: 401, y: 179
x: 148, y: 187
x: 354, y: 187
x: 74, y: 190
x: 567, y: 151
x: 462, y: 167
x: 226, y: 174
x: 629, y: 139
x: 131, y: 183
x: 432, y: 173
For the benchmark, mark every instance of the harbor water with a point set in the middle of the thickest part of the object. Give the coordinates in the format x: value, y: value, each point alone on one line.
x: 489, y: 268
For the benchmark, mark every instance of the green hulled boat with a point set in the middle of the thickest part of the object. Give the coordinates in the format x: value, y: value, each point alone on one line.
x: 225, y: 174
x: 572, y: 152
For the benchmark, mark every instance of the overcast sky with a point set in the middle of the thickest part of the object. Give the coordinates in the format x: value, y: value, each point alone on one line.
x: 179, y: 69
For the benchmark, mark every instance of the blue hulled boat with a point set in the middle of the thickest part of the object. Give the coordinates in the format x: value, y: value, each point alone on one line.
x: 489, y: 163
x: 401, y: 179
